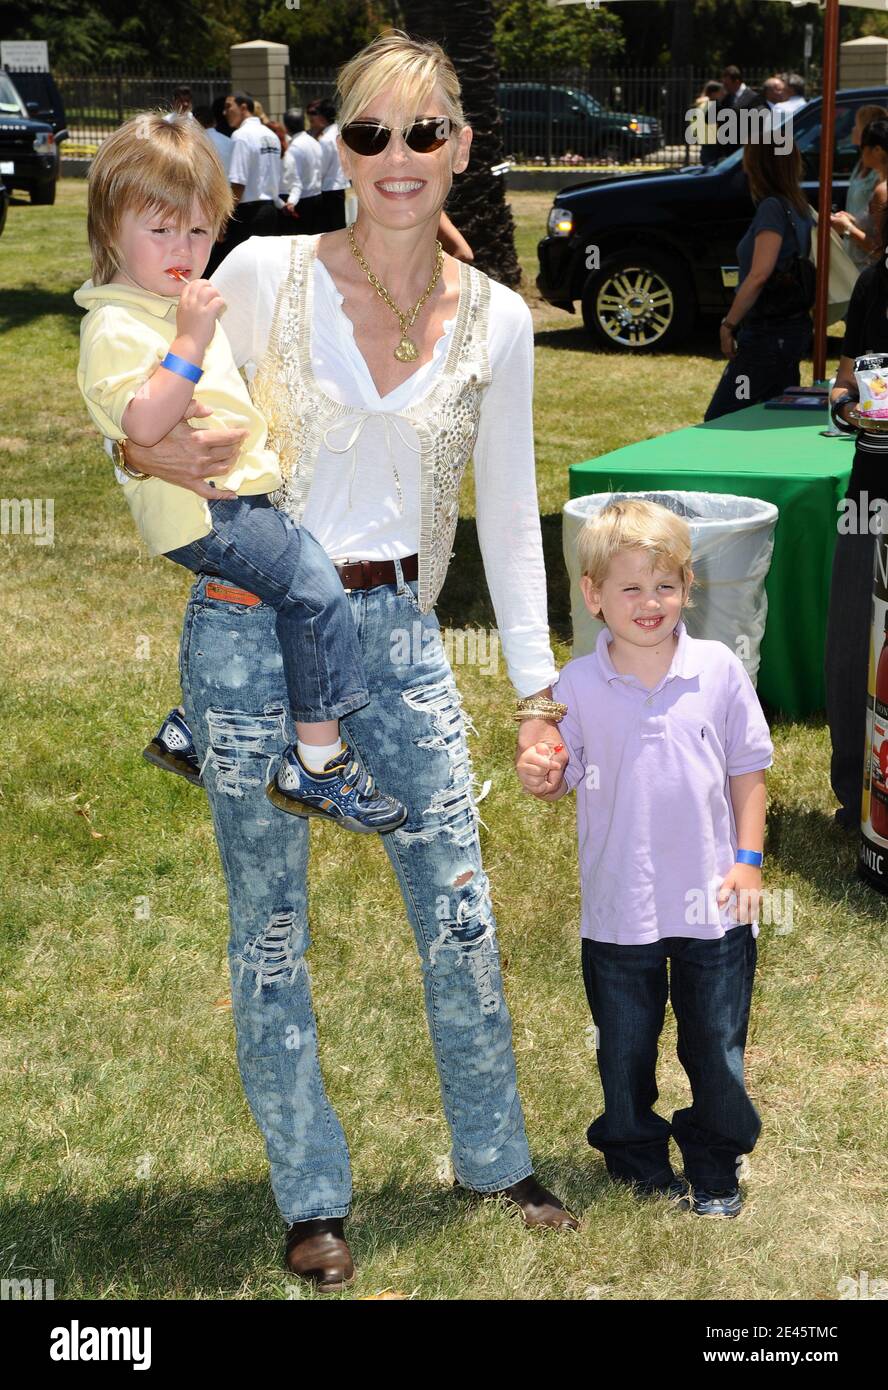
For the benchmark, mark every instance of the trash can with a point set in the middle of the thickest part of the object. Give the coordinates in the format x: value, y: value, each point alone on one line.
x: 732, y: 541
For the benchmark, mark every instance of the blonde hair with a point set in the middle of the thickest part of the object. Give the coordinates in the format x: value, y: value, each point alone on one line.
x: 413, y: 67
x: 635, y: 524
x: 148, y: 163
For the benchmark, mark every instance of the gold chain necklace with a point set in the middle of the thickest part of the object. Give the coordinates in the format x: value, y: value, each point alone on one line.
x: 406, y: 351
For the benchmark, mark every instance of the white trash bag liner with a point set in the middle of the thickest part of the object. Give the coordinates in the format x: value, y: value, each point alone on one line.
x: 732, y: 540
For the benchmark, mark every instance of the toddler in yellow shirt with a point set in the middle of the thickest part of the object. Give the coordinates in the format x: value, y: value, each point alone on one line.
x: 158, y: 198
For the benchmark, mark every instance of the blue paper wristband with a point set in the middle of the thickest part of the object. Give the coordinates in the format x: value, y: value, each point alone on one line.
x: 750, y: 856
x: 181, y: 367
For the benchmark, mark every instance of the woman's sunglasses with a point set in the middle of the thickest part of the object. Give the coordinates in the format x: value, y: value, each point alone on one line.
x: 367, y: 137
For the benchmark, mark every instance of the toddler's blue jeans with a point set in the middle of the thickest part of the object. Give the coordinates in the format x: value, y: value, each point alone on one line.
x: 255, y: 545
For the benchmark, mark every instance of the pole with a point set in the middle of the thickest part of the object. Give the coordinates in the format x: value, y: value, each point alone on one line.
x: 827, y: 125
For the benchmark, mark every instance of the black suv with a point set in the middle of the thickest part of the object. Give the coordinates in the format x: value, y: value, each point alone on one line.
x: 29, y: 155
x: 539, y: 119
x: 645, y: 254
x: 42, y: 99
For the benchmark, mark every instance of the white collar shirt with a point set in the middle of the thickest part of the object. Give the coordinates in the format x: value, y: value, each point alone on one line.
x: 255, y: 161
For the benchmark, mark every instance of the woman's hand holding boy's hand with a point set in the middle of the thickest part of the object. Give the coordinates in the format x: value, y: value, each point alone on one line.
x: 745, y: 880
x: 200, y: 305
x: 540, y: 768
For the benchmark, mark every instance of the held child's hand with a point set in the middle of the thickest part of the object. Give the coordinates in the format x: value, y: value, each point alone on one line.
x: 745, y: 881
x: 541, y: 767
x: 200, y: 305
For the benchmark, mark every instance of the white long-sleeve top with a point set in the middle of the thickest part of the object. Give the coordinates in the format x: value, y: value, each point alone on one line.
x: 364, y: 498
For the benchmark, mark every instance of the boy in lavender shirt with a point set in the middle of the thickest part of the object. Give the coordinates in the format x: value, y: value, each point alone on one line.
x: 666, y: 744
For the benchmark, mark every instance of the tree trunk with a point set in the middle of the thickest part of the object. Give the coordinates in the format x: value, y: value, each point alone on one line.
x: 477, y: 202
x: 682, y: 47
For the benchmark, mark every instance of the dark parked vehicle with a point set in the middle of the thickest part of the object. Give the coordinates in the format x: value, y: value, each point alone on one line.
x: 646, y: 254
x: 29, y: 155
x: 539, y: 119
x: 43, y: 100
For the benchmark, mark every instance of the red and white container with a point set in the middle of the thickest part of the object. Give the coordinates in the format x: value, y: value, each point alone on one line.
x: 873, y: 863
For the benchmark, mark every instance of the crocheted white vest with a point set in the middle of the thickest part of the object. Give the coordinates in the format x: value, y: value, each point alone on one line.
x: 446, y: 419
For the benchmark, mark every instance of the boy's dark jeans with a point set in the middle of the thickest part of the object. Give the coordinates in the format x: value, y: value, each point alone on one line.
x: 711, y: 988
x: 255, y: 545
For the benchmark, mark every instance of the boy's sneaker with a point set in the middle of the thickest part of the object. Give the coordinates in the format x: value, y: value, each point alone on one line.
x: 717, y: 1204
x: 172, y: 748
x: 676, y: 1189
x: 344, y: 792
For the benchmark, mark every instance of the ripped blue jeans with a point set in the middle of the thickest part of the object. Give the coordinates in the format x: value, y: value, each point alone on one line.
x: 413, y: 732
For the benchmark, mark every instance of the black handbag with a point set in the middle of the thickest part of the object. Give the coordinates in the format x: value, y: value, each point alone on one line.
x: 790, y: 290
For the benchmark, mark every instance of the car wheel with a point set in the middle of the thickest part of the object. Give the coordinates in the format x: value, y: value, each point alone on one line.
x: 638, y: 301
x: 45, y: 195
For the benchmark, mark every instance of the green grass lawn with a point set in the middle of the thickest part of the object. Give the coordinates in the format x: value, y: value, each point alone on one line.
x: 131, y: 1164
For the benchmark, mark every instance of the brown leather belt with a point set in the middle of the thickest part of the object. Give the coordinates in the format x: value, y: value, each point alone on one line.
x: 359, y: 574
x: 367, y: 574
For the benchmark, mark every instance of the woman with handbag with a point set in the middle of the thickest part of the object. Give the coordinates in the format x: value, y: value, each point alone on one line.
x: 767, y: 330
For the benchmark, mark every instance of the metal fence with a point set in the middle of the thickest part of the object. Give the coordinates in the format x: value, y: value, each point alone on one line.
x: 592, y: 116
x: 602, y: 116
x: 98, y: 102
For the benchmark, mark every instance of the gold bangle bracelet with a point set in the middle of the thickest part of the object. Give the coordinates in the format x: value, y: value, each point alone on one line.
x: 121, y: 461
x: 539, y: 707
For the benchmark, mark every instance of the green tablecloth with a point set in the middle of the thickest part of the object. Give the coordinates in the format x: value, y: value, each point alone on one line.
x: 781, y: 457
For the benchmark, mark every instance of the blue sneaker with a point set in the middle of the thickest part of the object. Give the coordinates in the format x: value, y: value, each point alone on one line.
x: 344, y: 792
x: 717, y: 1204
x: 172, y: 748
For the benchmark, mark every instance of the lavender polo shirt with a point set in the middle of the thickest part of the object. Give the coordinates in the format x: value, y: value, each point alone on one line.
x: 654, y: 815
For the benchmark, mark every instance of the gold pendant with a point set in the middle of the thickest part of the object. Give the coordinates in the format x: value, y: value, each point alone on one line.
x: 406, y: 350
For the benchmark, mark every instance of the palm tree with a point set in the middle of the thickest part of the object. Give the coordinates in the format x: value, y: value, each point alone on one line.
x: 477, y: 202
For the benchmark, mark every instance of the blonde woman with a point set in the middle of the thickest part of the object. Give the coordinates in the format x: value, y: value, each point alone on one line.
x: 382, y: 366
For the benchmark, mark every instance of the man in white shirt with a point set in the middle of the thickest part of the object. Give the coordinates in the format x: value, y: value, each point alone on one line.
x: 793, y: 96
x: 301, y: 179
x: 254, y: 171
x: 322, y: 124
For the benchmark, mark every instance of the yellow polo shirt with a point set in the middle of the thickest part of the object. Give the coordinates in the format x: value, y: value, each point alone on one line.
x: 124, y: 335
